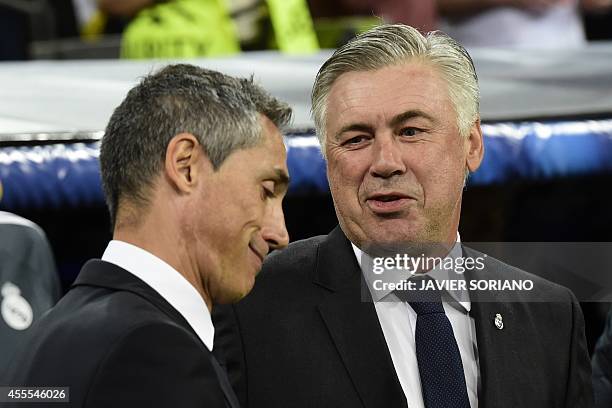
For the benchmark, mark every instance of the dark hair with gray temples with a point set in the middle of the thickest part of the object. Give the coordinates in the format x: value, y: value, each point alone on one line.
x: 394, y: 44
x: 219, y: 110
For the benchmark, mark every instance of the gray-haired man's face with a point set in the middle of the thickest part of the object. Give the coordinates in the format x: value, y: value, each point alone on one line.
x: 395, y: 159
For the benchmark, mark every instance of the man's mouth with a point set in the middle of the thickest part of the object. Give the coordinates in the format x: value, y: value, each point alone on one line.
x: 386, y: 203
x: 387, y: 198
x: 258, y: 252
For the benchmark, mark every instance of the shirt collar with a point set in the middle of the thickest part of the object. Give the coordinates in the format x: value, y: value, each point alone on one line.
x: 166, y: 281
x: 462, y: 298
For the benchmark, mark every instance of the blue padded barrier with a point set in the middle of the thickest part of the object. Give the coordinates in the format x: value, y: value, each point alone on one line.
x: 539, y: 151
x: 67, y: 175
x: 306, y: 165
x: 50, y: 176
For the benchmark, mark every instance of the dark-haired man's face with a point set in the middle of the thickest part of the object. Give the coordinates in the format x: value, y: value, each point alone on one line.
x: 239, y: 216
x: 395, y: 159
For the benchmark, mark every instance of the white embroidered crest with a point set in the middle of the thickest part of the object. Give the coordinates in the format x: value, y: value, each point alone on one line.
x: 15, y: 310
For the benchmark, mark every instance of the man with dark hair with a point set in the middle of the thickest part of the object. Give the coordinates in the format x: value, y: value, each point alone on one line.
x: 397, y: 115
x: 194, y: 171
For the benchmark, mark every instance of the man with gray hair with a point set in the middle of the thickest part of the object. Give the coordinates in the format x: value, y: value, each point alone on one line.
x: 194, y: 171
x: 398, y: 120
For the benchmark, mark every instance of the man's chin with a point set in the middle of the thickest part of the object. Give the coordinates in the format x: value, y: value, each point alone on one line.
x: 392, y: 240
x: 236, y: 294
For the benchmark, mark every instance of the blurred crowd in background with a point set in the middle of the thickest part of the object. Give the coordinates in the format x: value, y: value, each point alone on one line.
x: 69, y: 29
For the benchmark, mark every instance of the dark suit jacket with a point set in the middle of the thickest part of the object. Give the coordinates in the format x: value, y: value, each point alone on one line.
x: 117, y: 343
x: 304, y: 338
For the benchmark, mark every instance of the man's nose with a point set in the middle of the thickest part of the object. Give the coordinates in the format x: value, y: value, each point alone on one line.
x: 274, y: 231
x: 387, y: 160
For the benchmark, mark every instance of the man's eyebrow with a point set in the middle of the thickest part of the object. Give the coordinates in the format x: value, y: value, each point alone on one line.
x: 354, y: 127
x: 282, y: 178
x: 414, y: 113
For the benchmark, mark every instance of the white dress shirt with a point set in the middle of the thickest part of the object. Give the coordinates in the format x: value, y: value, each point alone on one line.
x: 398, y: 322
x: 166, y: 281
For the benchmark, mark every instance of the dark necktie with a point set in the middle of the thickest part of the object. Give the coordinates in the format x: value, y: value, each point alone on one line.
x: 440, y: 367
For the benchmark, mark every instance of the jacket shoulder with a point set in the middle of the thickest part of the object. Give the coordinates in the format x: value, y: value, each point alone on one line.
x: 297, y: 256
x: 69, y: 344
x: 82, y: 327
x: 543, y: 289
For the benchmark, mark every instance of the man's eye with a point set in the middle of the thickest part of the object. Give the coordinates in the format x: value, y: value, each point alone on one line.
x: 267, y: 190
x: 354, y: 140
x: 410, y: 131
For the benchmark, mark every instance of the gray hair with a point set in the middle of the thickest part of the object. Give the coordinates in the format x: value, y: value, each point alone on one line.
x: 394, y: 44
x: 219, y: 110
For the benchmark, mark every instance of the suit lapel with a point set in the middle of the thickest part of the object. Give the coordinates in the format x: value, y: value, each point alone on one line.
x: 497, y: 348
x: 354, y: 327
x: 494, y: 345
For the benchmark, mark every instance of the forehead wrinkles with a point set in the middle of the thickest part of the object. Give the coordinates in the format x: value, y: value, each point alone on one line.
x: 377, y: 97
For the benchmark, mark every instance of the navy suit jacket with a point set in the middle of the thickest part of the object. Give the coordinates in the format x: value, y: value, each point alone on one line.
x: 304, y: 338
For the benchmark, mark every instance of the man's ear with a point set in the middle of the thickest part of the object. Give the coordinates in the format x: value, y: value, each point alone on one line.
x: 183, y: 163
x: 475, y: 147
